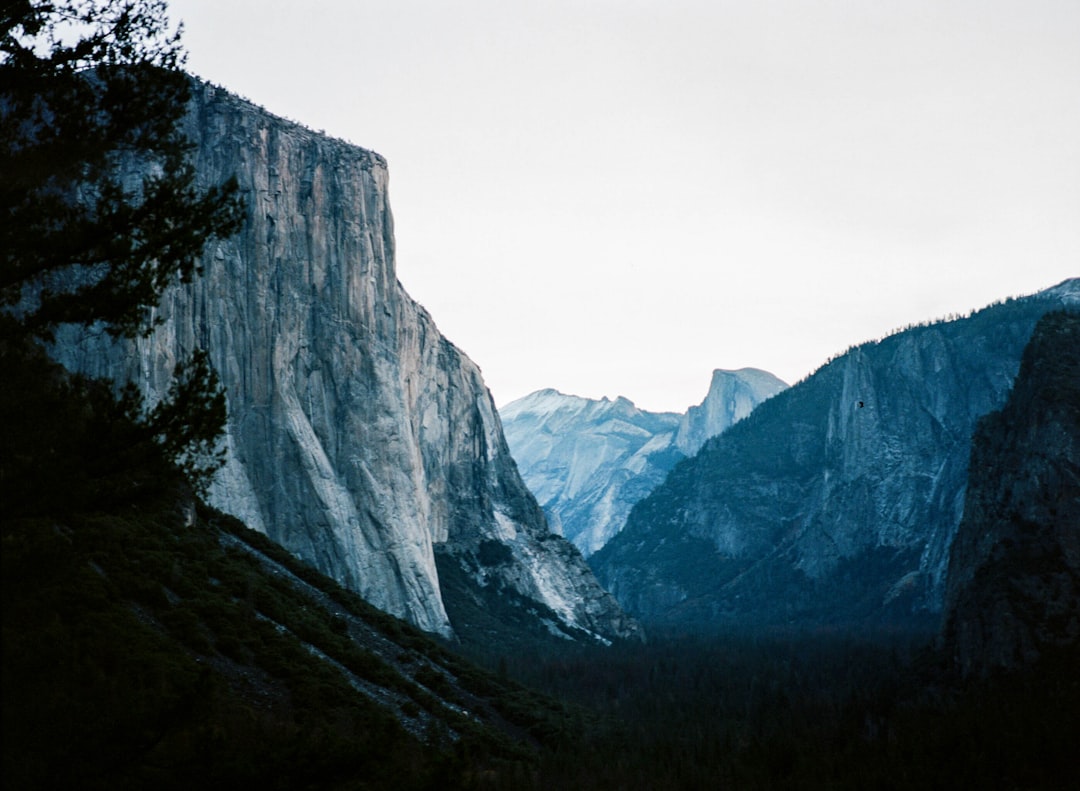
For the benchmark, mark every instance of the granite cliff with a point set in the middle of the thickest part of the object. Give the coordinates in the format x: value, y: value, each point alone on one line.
x: 1013, y: 586
x: 732, y: 396
x: 588, y: 461
x: 358, y: 436
x: 836, y: 501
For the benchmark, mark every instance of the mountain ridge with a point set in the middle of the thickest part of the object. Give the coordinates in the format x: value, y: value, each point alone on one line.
x: 589, y: 460
x: 837, y: 500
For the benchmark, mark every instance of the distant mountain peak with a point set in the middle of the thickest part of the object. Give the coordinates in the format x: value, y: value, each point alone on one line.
x: 813, y: 511
x: 589, y: 460
x: 732, y: 396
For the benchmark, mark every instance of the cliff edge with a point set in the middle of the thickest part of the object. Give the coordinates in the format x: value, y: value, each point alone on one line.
x: 358, y: 436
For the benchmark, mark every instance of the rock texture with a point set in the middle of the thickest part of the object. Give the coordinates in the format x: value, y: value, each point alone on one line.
x: 732, y: 396
x: 358, y: 436
x: 835, y: 501
x: 588, y: 461
x: 1014, y: 570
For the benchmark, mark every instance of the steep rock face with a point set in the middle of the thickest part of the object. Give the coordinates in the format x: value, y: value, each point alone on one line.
x: 732, y: 396
x: 836, y: 500
x: 1014, y: 569
x: 358, y: 436
x: 588, y: 461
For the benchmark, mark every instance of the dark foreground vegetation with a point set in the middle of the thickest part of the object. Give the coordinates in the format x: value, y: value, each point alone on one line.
x: 149, y: 642
x: 804, y: 711
x: 141, y: 650
x: 159, y: 644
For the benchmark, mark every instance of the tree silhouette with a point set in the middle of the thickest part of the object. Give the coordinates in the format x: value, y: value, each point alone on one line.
x: 99, y: 209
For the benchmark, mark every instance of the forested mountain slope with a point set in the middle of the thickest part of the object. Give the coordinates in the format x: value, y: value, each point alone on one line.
x: 1014, y: 571
x: 837, y: 500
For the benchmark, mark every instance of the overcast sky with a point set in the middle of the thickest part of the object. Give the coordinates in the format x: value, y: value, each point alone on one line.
x: 615, y: 197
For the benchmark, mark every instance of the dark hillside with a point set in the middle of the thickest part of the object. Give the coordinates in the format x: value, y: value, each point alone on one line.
x: 150, y: 642
x: 1014, y: 572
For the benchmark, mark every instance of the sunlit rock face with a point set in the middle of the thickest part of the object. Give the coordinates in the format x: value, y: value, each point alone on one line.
x: 588, y: 461
x: 358, y: 436
x: 1013, y: 587
x: 732, y: 396
x: 836, y: 501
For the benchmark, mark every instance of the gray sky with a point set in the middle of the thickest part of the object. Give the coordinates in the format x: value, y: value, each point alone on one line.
x: 615, y: 197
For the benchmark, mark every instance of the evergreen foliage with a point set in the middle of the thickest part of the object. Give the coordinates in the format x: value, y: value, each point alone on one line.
x: 800, y: 711
x: 71, y: 446
x: 99, y: 213
x: 99, y: 206
x: 142, y: 648
x: 782, y: 449
x: 189, y: 420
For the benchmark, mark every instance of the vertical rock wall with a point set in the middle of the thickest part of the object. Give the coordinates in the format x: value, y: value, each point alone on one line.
x: 358, y: 436
x: 732, y: 396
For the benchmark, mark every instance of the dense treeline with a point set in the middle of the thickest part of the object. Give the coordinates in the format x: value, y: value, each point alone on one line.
x: 803, y: 711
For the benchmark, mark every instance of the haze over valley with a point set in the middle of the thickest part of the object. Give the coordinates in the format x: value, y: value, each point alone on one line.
x: 705, y: 414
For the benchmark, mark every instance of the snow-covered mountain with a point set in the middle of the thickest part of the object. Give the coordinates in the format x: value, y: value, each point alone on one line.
x: 588, y: 461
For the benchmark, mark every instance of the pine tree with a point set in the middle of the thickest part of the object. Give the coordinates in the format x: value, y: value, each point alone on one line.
x: 90, y: 91
x: 99, y: 209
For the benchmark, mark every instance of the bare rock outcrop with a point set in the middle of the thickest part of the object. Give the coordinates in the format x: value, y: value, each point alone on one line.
x: 358, y: 436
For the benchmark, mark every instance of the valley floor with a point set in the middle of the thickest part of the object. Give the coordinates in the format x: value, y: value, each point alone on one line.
x: 822, y: 711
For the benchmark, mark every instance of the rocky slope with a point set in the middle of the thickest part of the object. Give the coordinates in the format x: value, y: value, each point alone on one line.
x: 837, y: 500
x: 588, y: 461
x: 358, y: 436
x: 1014, y: 570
